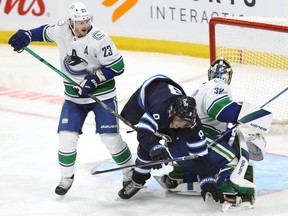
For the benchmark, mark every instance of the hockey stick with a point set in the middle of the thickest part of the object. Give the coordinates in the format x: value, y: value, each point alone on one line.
x: 236, y: 125
x: 276, y: 96
x: 94, y: 171
x: 76, y: 84
x: 166, y: 138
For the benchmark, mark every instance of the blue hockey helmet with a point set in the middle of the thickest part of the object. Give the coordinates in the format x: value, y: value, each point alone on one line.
x: 221, y: 69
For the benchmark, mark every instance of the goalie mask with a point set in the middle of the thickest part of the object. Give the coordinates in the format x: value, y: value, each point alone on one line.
x: 185, y: 109
x: 221, y: 69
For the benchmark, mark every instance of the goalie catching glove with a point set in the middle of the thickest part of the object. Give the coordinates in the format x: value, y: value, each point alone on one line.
x: 87, y: 86
x: 159, y: 152
x: 211, y: 188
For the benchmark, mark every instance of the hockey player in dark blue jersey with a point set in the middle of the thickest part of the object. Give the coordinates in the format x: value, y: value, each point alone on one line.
x: 229, y: 155
x: 161, y: 106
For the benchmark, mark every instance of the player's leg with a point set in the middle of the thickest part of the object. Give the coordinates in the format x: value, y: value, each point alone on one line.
x: 218, y: 156
x: 244, y: 189
x: 183, y: 177
x: 108, y: 129
x: 139, y: 177
x: 70, y: 126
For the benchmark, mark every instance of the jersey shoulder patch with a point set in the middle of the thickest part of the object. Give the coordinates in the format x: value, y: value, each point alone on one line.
x: 98, y: 35
x: 62, y: 22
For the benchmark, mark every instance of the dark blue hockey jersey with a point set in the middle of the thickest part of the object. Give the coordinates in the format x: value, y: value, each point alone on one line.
x: 149, y: 108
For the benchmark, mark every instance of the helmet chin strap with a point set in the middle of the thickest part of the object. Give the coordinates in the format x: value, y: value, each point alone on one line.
x: 72, y: 24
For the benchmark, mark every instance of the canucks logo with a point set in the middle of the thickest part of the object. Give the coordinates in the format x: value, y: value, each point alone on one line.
x: 75, y: 65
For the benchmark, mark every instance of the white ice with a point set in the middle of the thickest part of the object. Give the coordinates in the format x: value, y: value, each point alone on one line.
x: 31, y: 97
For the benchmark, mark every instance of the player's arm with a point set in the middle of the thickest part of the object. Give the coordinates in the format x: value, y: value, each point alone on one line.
x: 22, y: 38
x: 147, y: 127
x: 225, y: 110
x: 110, y: 58
x: 217, y: 102
x: 197, y: 145
x: 195, y: 139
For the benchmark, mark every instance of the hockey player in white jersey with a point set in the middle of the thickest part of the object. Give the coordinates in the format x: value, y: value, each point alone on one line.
x: 216, y: 110
x: 90, y: 58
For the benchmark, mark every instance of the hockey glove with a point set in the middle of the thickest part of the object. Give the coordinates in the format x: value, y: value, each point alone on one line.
x: 20, y: 39
x: 210, y: 188
x: 159, y: 152
x: 88, y: 85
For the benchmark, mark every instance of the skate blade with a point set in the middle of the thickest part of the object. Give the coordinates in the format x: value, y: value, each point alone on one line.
x: 228, y: 206
x: 158, y: 179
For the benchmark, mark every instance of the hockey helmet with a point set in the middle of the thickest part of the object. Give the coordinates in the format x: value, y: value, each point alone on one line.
x: 221, y: 69
x: 185, y: 108
x: 78, y: 12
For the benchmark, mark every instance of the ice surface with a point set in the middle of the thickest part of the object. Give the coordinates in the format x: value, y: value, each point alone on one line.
x: 31, y: 97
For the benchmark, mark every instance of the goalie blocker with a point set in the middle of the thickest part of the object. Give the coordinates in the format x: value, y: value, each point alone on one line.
x: 255, y: 117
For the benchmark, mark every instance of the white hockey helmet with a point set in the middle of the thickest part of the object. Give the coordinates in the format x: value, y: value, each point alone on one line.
x: 221, y: 69
x: 78, y: 12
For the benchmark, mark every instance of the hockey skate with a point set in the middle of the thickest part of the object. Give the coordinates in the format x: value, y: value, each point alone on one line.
x: 129, y: 190
x: 237, y: 197
x: 178, y: 186
x: 174, y: 182
x: 127, y: 176
x: 237, y: 202
x: 64, y: 185
x: 173, y: 179
x: 166, y: 182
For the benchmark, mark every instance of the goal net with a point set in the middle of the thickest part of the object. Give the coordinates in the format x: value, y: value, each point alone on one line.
x: 257, y: 49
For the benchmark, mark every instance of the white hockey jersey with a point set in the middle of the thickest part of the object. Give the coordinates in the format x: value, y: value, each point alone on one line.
x: 80, y: 56
x: 211, y: 98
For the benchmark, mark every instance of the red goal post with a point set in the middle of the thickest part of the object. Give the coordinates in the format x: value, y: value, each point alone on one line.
x: 257, y: 48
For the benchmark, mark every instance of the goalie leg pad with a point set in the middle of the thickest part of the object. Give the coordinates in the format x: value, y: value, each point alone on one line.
x: 237, y: 176
x: 239, y: 196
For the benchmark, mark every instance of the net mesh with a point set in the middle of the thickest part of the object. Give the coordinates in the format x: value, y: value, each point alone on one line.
x: 259, y: 58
